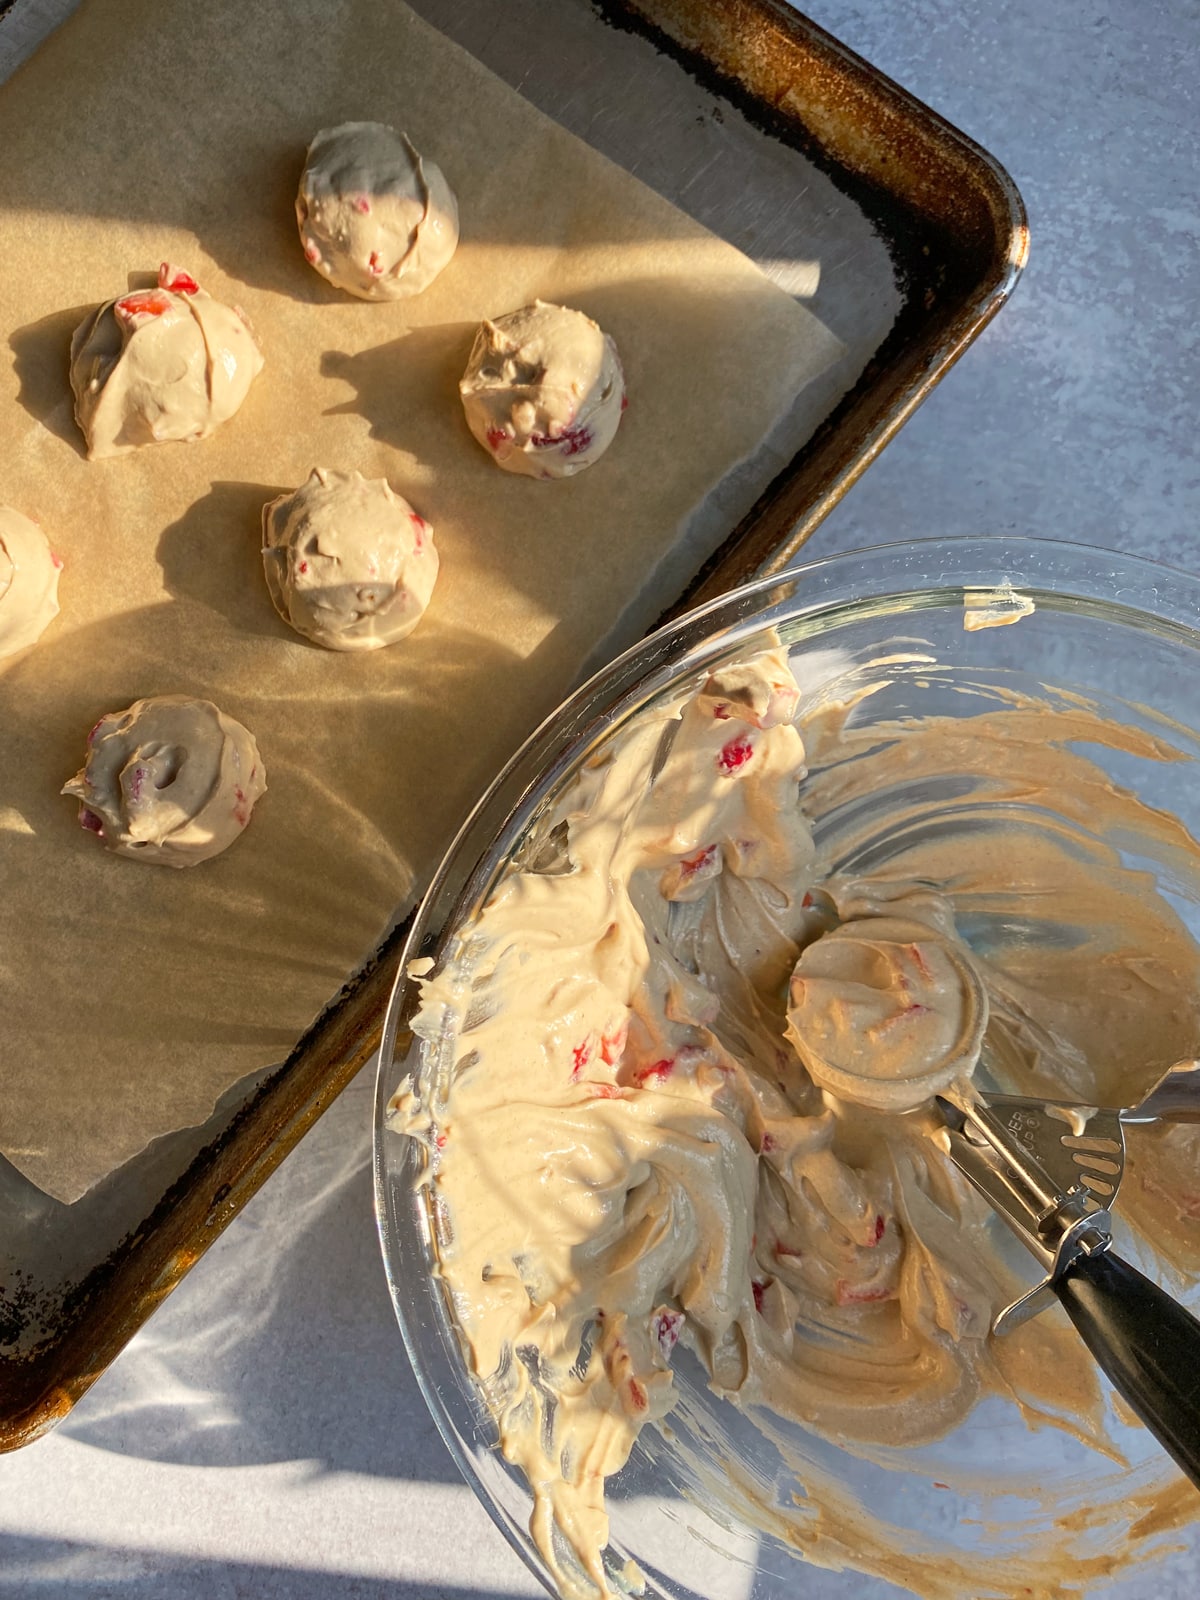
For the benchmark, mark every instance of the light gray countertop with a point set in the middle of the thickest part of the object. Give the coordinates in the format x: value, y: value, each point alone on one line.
x: 263, y: 1436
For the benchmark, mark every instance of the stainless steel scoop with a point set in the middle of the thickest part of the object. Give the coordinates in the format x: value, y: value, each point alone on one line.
x: 1052, y: 1170
x: 1086, y: 1144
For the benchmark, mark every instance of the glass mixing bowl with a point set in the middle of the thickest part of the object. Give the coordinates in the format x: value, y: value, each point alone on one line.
x: 1123, y: 634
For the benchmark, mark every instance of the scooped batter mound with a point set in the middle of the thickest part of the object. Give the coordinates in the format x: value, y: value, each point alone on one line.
x: 160, y: 364
x: 375, y: 218
x: 29, y: 572
x: 171, y: 781
x: 349, y: 563
x: 543, y: 391
x: 672, y: 1086
x: 886, y: 1010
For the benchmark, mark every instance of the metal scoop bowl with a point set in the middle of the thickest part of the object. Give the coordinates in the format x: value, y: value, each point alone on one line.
x: 1077, y: 1144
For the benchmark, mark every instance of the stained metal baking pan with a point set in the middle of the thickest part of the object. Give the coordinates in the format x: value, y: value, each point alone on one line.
x: 902, y: 234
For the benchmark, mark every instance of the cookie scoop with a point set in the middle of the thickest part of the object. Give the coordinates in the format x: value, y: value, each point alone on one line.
x: 543, y: 391
x: 158, y: 365
x: 376, y: 219
x: 171, y: 781
x: 29, y: 572
x: 349, y: 563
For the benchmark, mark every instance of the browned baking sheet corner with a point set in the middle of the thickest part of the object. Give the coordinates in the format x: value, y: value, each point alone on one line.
x: 953, y: 218
x: 955, y: 230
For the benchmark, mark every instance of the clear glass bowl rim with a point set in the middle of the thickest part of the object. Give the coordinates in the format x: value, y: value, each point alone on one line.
x: 887, y: 579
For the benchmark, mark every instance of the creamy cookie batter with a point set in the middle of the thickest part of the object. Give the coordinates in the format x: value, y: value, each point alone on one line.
x: 887, y: 1010
x: 171, y: 781
x: 29, y: 572
x: 160, y: 364
x: 349, y: 563
x: 375, y: 218
x: 543, y: 391
x: 652, y: 1120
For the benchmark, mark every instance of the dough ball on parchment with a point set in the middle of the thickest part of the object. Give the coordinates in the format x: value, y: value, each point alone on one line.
x: 349, y: 563
x: 543, y: 391
x: 171, y: 781
x: 29, y: 572
x: 160, y: 364
x: 375, y: 218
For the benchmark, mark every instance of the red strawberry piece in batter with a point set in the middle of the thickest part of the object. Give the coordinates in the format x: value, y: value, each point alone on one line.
x: 612, y: 1045
x: 852, y: 1294
x: 657, y: 1071
x: 918, y: 960
x: 664, y: 1328
x: 176, y: 279
x: 734, y: 755
x: 141, y: 306
x: 572, y: 441
x: 580, y: 1056
x: 691, y: 865
x: 89, y: 820
x: 909, y: 1014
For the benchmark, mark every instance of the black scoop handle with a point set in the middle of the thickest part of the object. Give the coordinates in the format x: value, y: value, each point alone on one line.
x: 1147, y: 1344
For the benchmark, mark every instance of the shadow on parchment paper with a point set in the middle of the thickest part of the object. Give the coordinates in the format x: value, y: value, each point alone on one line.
x: 213, y: 555
x: 225, y: 964
x: 42, y: 362
x: 652, y: 477
x: 425, y: 363
x: 351, y: 717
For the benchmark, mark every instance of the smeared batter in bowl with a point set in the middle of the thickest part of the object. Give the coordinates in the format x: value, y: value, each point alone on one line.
x: 651, y: 1123
x: 170, y: 781
x: 161, y: 364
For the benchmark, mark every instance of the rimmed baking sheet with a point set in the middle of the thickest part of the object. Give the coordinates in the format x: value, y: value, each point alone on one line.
x: 738, y: 125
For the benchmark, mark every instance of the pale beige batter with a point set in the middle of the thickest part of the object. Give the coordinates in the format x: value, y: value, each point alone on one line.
x: 29, y: 572
x: 171, y: 781
x: 543, y: 391
x: 628, y: 1151
x: 375, y: 218
x: 160, y: 364
x: 886, y: 1008
x: 348, y: 561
